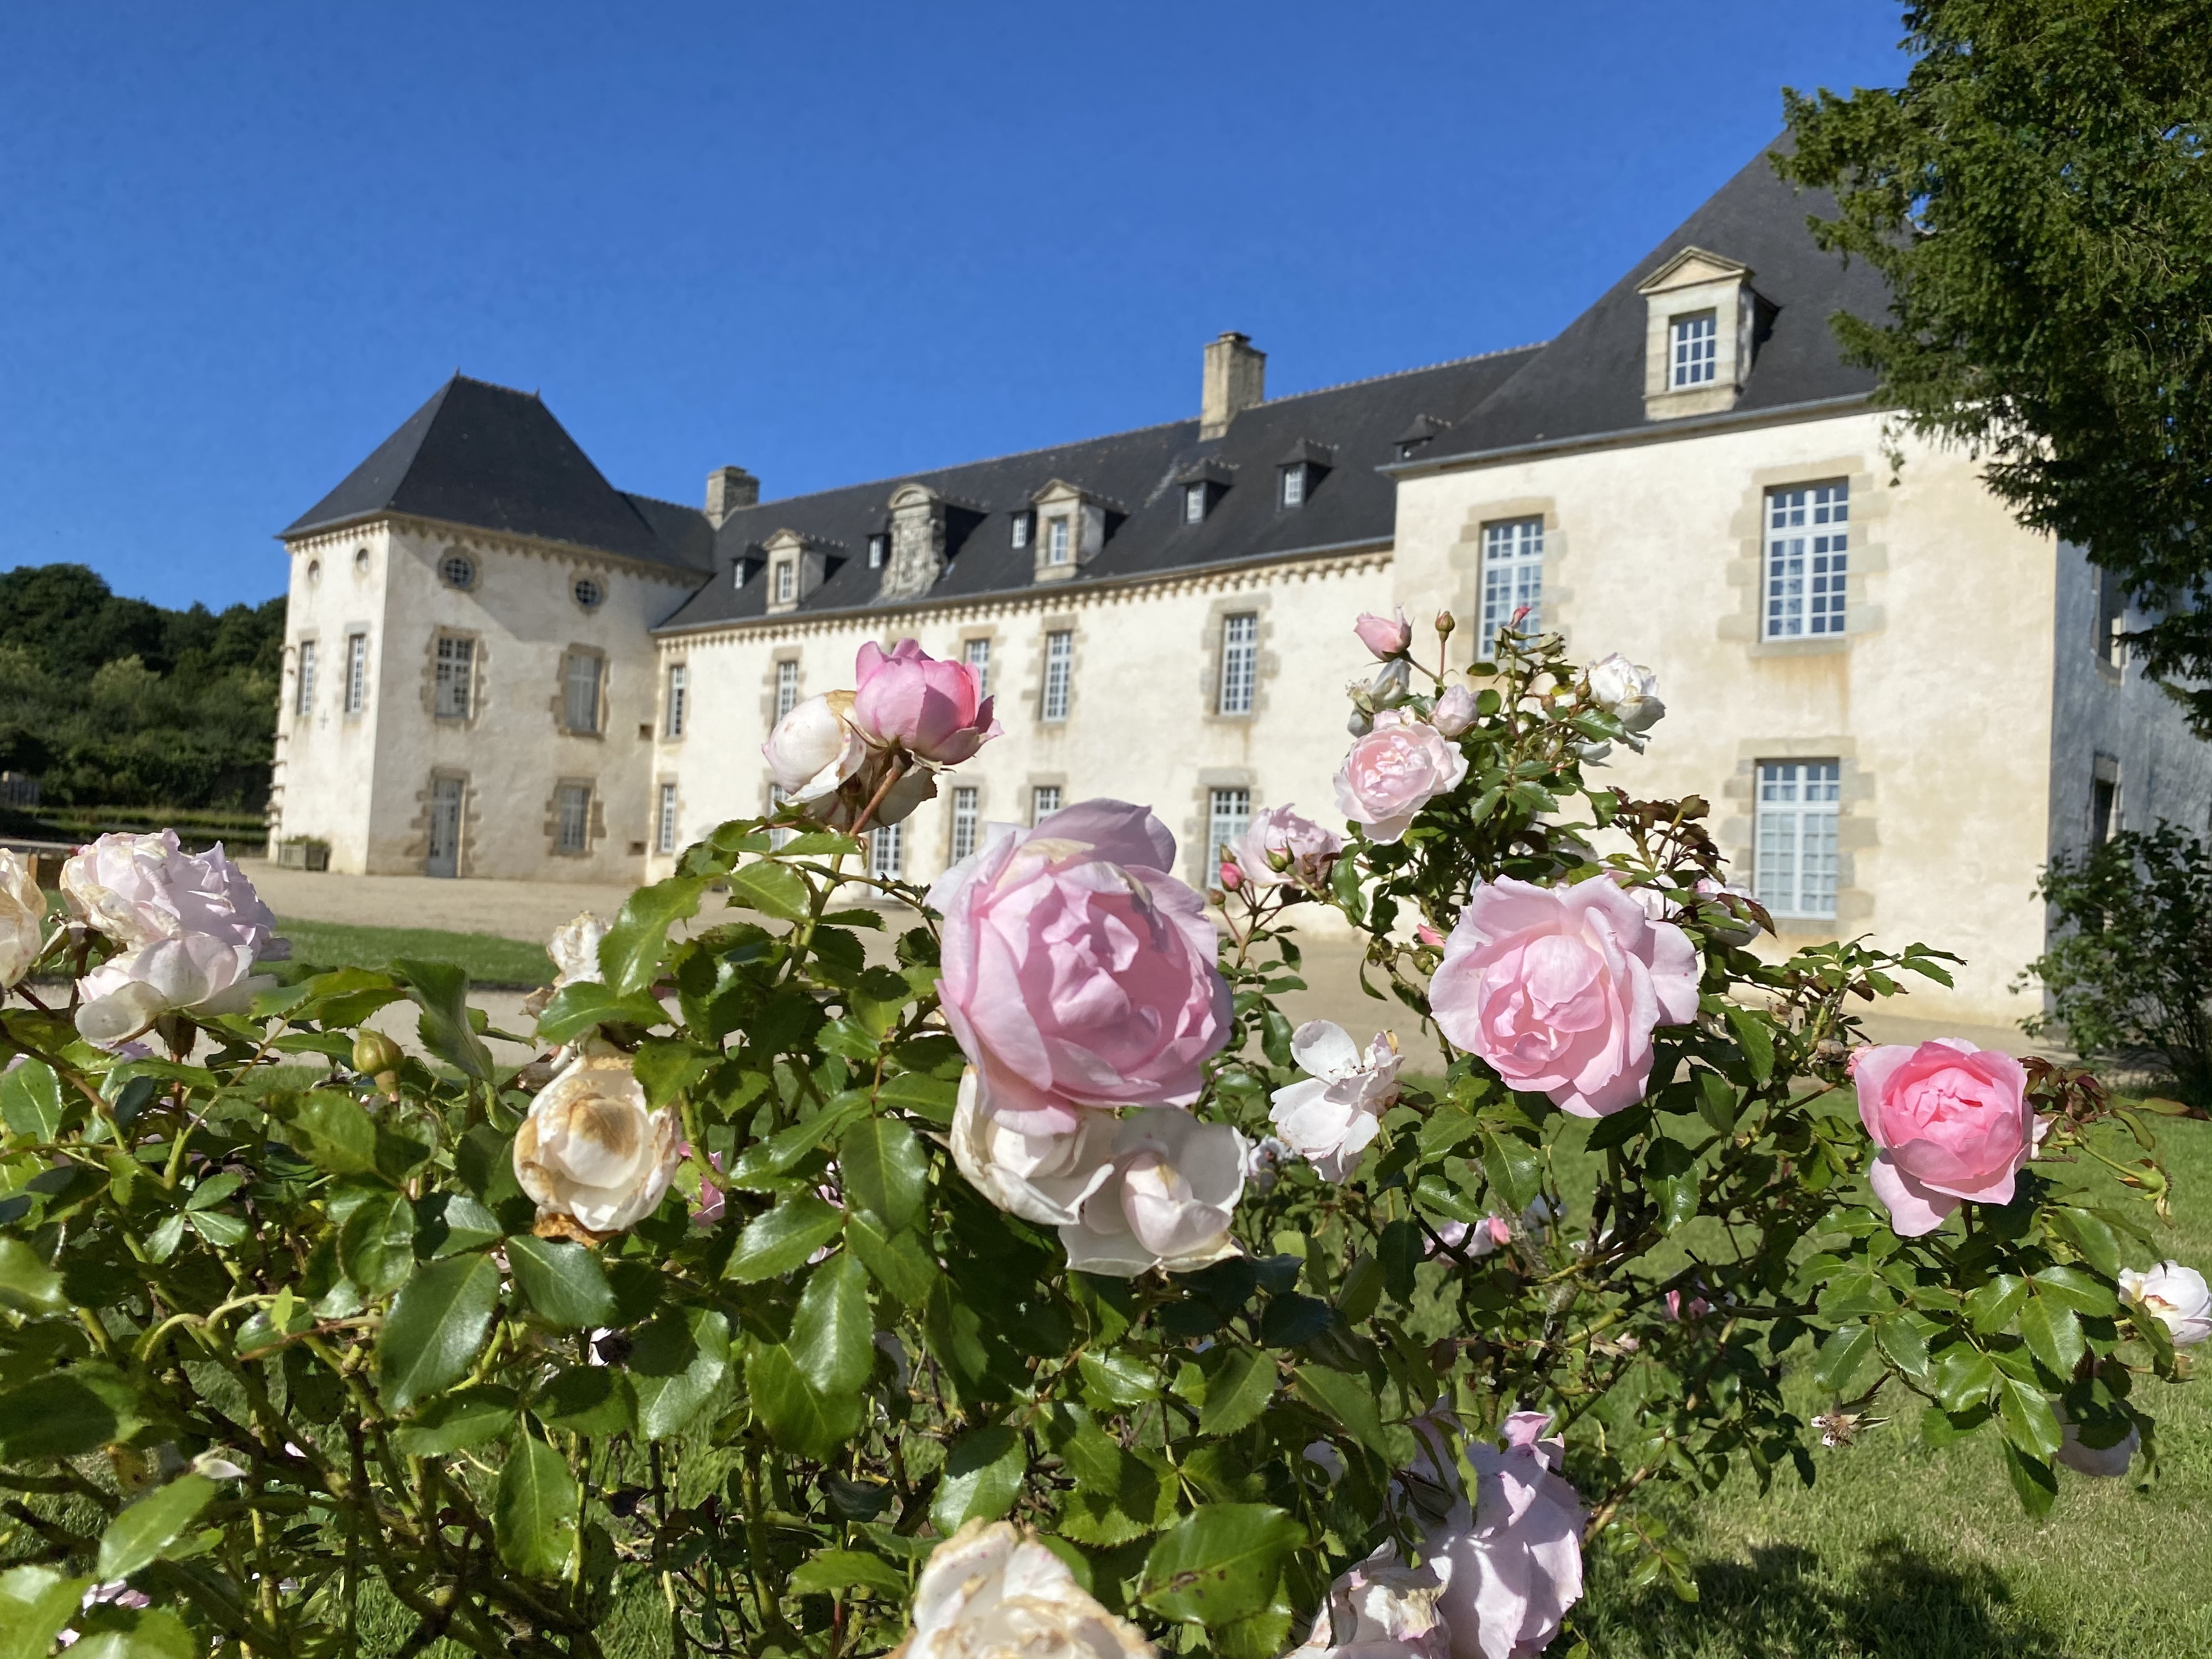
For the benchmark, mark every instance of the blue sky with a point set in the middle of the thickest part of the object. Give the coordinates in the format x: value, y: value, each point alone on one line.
x: 239, y: 244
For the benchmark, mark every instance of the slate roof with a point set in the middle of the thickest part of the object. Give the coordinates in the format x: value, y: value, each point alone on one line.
x: 488, y: 456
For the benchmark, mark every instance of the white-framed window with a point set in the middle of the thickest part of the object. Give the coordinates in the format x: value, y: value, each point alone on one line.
x: 1044, y: 801
x: 580, y: 704
x: 976, y: 653
x: 1058, y: 666
x: 887, y: 851
x: 356, y: 682
x: 777, y: 795
x: 679, y: 698
x: 1228, y: 816
x: 1807, y: 559
x: 966, y: 819
x: 786, y: 581
x: 1240, y: 661
x: 304, y: 704
x: 879, y: 547
x: 1512, y: 580
x: 455, y: 677
x: 1021, y: 532
x: 664, y: 821
x: 1194, y: 503
x: 1294, y: 485
x: 787, y: 686
x: 1794, y: 857
x: 575, y: 818
x: 1697, y: 349
x: 1055, y: 540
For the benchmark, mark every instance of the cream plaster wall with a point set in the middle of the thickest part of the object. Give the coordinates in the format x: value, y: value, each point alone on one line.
x: 324, y: 778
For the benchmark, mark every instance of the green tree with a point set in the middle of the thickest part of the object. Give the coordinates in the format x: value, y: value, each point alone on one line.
x: 2039, y: 197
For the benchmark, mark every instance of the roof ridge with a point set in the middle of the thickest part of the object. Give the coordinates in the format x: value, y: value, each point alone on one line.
x: 659, y: 501
x: 1401, y: 373
x: 494, y: 386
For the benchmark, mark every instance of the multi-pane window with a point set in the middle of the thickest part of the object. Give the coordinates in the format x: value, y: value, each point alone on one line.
x: 1807, y: 556
x: 777, y: 796
x: 976, y: 653
x: 1240, y: 661
x: 879, y: 546
x: 787, y: 581
x: 1194, y: 503
x: 664, y: 821
x: 887, y: 850
x: 679, y: 698
x: 356, y: 682
x: 306, y: 704
x: 786, y: 687
x: 1022, y: 529
x: 580, y: 706
x: 455, y: 677
x: 1696, y: 350
x: 574, y: 818
x: 1044, y: 801
x: 1228, y: 815
x: 1058, y: 665
x: 1794, y: 857
x: 1294, y: 485
x: 964, y: 821
x: 1512, y: 580
x: 1055, y: 542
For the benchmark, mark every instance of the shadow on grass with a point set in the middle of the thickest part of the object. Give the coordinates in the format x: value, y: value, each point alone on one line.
x: 1783, y: 1604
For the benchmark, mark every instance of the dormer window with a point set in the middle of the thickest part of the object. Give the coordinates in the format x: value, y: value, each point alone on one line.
x: 879, y: 548
x: 1056, y: 540
x: 1071, y: 528
x: 1696, y: 349
x: 786, y: 581
x: 1021, y: 523
x: 1297, y: 472
x: 1293, y: 493
x: 1194, y: 503
x: 1417, y: 436
x: 1703, y: 321
x: 1203, y: 485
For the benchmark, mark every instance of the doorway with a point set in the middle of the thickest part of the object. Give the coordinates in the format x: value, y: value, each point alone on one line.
x: 445, y: 858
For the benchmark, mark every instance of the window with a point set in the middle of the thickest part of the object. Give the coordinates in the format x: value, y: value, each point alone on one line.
x: 1512, y: 580
x: 777, y: 797
x: 1807, y: 553
x: 2104, y: 810
x: 965, y: 819
x: 582, y: 699
x: 886, y: 850
x: 787, y: 581
x: 2111, y: 617
x: 1294, y: 485
x: 664, y: 820
x: 306, y: 704
x: 879, y: 547
x: 361, y: 561
x: 356, y: 682
x: 1229, y: 814
x: 1794, y: 857
x: 1044, y: 801
x: 588, y: 592
x: 458, y: 570
x: 787, y: 686
x: 1021, y: 521
x: 679, y: 698
x: 976, y: 653
x: 1194, y: 503
x: 1056, y: 547
x: 1697, y: 349
x: 1058, y: 663
x: 314, y: 571
x: 1240, y: 660
x: 455, y: 675
x: 575, y: 817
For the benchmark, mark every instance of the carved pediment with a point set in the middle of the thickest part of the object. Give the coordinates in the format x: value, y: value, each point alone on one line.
x: 1692, y: 265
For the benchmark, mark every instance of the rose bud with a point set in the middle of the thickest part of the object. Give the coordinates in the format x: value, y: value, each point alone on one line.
x: 1385, y: 636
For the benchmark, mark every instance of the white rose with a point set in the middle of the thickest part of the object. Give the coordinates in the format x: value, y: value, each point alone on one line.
x: 22, y: 918
x: 1168, y: 1202
x: 814, y: 748
x: 590, y: 1150
x: 1455, y: 711
x: 1042, y: 1178
x: 197, y: 973
x: 1625, y: 690
x: 2104, y: 1462
x: 2175, y: 1296
x: 992, y: 1591
x: 1330, y: 1116
x: 574, y: 948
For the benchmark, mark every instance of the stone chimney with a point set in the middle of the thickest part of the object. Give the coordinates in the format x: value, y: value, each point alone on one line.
x: 728, y: 489
x: 1236, y: 379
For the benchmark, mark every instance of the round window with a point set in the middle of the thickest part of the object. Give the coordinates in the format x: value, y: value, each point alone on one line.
x: 314, y: 570
x: 360, y: 561
x: 458, y: 570
x: 587, y: 592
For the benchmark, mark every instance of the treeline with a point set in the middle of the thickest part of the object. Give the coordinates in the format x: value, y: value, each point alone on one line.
x: 115, y: 702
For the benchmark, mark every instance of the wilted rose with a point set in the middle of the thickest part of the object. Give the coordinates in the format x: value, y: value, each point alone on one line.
x: 591, y: 1150
x: 22, y: 918
x: 1280, y: 845
x: 992, y: 1591
x: 1329, y: 1116
x: 909, y: 699
x: 1169, y: 1201
x: 1042, y: 1178
x: 2177, y: 1297
x: 574, y: 948
x: 1949, y: 1122
x: 1393, y: 772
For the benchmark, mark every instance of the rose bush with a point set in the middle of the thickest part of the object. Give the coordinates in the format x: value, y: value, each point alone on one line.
x: 826, y: 1265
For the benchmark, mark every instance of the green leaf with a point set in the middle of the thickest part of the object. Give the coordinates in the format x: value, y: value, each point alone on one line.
x: 333, y: 1133
x: 1717, y: 1101
x: 982, y: 1477
x: 582, y: 1007
x: 36, y: 1604
x: 1670, y: 1170
x: 629, y: 955
x: 144, y: 1633
x: 926, y: 1097
x: 900, y: 1263
x: 837, y: 1569
x: 1843, y: 1356
x: 1989, y: 1309
x: 589, y: 1399
x: 885, y: 1169
x: 31, y: 1101
x: 664, y: 1068
x: 137, y: 1536
x: 1221, y: 1562
x: 1119, y: 1379
x: 1348, y: 1398
x: 2053, y: 1335
x: 65, y: 1412
x: 437, y: 1325
x: 534, y: 1510
x: 1757, y: 1037
x: 1514, y: 1168
x: 2069, y: 1287
x: 1963, y: 1376
x: 27, y: 1285
x: 2094, y: 1237
x: 2033, y: 1478
x: 797, y: 1416
x: 449, y: 1223
x: 440, y: 991
x: 564, y: 1281
x: 1237, y: 1393
x: 2029, y: 1422
x: 1902, y: 1342
x: 467, y: 1417
x: 376, y: 1246
x: 772, y: 889
x: 833, y: 1334
x: 676, y: 1364
x: 780, y: 1241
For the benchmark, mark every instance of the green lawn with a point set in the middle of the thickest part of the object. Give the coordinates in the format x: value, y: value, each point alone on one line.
x: 488, y: 958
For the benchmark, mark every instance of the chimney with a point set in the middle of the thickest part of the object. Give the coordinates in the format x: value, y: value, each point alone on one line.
x: 1236, y: 379
x: 728, y: 489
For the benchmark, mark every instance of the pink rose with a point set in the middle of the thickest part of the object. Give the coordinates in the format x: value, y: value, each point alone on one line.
x: 1950, y: 1121
x: 1513, y: 1565
x: 1384, y: 636
x: 1280, y: 845
x: 909, y: 699
x: 138, y: 889
x: 1560, y: 989
x: 1393, y: 772
x: 1455, y: 712
x: 1077, y: 971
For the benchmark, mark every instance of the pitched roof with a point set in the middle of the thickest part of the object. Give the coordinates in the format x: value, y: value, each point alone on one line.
x: 1353, y: 429
x: 494, y: 459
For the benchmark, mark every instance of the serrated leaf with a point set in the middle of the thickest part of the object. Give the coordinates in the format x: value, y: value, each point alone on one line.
x: 1903, y: 1345
x: 36, y: 1604
x: 564, y: 1282
x: 1119, y: 1379
x: 772, y: 889
x: 582, y: 1007
x: 1220, y: 1563
x: 900, y: 1263
x: 1717, y: 1101
x: 448, y: 1223
x: 837, y: 1570
x: 629, y: 955
x: 780, y: 1241
x: 441, y: 992
x: 1237, y: 1393
x: 1514, y: 1168
x: 833, y: 1334
x: 677, y: 1362
x: 884, y: 1170
x: 1843, y: 1356
x: 1990, y: 1308
x: 1347, y: 1398
x: 1670, y: 1171
x: 61, y: 1414
x: 435, y: 1327
x: 27, y: 1285
x: 534, y: 1510
x: 140, y: 1633
x: 2069, y: 1287
x: 926, y: 1097
x: 797, y: 1417
x: 137, y: 1536
x: 2094, y: 1237
x: 31, y: 1101
x: 2053, y: 1334
x: 331, y: 1132
x: 1756, y: 1036
x: 376, y: 1245
x: 452, y: 1422
x: 2029, y: 1422
x: 594, y: 1399
x: 982, y: 1477
x: 2033, y: 1478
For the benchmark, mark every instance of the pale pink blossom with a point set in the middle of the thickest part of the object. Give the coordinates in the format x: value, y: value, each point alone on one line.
x: 1394, y: 771
x: 1386, y: 637
x: 908, y: 700
x: 992, y: 1591
x: 1168, y: 1203
x: 22, y: 918
x: 1513, y: 1559
x: 1380, y: 1609
x: 826, y: 767
x: 1330, y: 1116
x: 1560, y: 989
x: 205, y: 973
x: 136, y: 888
x: 1455, y: 711
x: 1485, y: 1237
x: 1950, y: 1122
x: 1280, y: 845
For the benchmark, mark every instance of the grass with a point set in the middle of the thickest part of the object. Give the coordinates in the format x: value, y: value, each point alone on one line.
x: 488, y: 958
